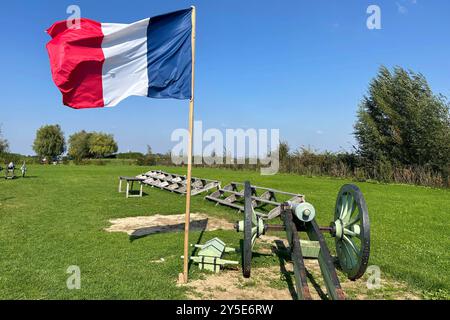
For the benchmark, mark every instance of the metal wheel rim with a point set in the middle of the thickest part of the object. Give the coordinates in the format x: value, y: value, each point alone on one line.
x: 352, y: 250
x: 248, y: 211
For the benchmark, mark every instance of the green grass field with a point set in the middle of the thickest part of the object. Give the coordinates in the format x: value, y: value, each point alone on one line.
x: 55, y: 218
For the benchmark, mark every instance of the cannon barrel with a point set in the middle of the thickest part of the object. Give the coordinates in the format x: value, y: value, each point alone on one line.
x: 304, y: 211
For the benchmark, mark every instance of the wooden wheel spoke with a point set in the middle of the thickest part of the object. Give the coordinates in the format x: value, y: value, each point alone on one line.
x: 350, y: 259
x: 351, y: 233
x: 349, y: 207
x: 354, y: 207
x: 355, y: 219
x: 343, y: 204
x: 351, y: 245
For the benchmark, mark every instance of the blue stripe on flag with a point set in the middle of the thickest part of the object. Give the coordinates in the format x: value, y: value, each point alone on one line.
x: 169, y: 55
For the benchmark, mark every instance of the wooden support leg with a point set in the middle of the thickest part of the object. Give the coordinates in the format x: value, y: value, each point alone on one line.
x: 128, y: 189
x: 295, y: 249
x: 140, y: 191
x: 326, y: 262
x: 120, y: 185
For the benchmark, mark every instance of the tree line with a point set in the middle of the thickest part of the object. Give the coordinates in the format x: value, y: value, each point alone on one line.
x: 50, y: 143
x: 402, y: 131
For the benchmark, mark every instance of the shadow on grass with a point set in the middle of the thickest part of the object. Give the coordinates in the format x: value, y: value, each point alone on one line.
x: 18, y: 177
x: 316, y: 286
x: 196, y: 225
x: 135, y: 194
x: 195, y: 248
x: 283, y: 256
x: 254, y: 254
x: 6, y: 198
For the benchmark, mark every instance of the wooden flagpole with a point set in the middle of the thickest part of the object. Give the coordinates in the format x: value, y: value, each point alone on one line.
x: 189, y: 168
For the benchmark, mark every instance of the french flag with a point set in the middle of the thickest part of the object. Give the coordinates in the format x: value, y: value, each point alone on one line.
x: 99, y: 64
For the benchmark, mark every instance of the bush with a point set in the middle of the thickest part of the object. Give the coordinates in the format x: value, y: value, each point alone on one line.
x: 130, y: 155
x: 6, y: 158
x: 147, y: 160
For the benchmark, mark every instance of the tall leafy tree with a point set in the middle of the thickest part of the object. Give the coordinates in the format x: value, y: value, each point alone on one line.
x: 79, y: 145
x: 401, y: 121
x: 49, y: 141
x: 102, y: 144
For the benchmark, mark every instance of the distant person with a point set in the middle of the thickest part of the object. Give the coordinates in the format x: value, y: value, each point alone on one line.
x: 23, y: 168
x: 9, y: 172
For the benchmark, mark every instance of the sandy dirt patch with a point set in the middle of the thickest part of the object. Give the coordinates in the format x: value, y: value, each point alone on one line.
x: 146, y: 225
x: 270, y: 283
x: 230, y: 285
x: 278, y: 283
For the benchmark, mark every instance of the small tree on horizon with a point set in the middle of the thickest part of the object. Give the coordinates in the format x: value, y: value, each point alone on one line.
x: 79, y: 145
x: 102, y: 144
x: 49, y: 141
x: 4, y: 145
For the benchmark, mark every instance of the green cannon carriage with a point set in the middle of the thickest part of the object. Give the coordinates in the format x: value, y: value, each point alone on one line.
x: 350, y: 229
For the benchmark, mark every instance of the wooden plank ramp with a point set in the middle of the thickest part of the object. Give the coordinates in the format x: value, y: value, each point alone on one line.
x: 232, y: 195
x: 177, y: 183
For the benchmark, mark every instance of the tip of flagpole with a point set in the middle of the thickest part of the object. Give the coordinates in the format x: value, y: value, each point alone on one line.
x: 193, y: 7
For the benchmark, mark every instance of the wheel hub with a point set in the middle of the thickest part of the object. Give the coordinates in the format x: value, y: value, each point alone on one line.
x: 339, y: 229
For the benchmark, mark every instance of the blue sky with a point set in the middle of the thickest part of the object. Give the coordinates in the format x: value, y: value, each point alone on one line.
x: 300, y: 66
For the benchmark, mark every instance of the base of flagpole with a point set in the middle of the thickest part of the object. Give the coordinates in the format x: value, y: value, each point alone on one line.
x: 181, y: 278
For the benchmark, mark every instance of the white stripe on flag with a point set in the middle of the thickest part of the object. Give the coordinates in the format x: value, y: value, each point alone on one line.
x: 125, y: 68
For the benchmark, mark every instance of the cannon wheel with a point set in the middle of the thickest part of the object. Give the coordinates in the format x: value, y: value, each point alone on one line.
x: 353, y: 246
x: 247, y: 245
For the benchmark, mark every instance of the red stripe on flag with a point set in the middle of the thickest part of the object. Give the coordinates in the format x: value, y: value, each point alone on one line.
x: 76, y: 60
